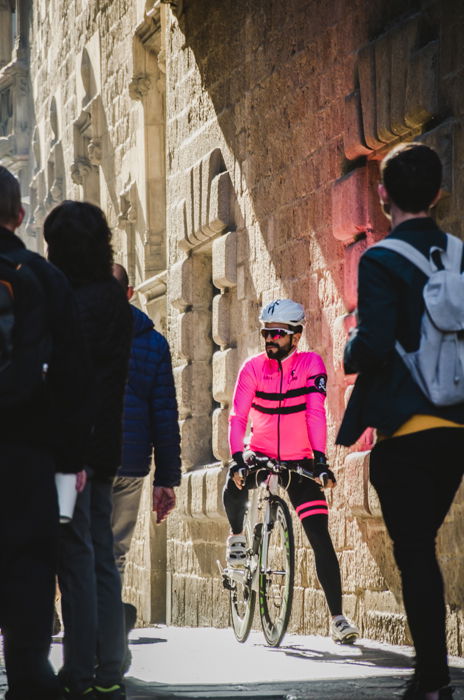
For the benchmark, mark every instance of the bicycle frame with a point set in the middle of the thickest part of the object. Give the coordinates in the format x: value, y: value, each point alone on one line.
x: 264, y: 492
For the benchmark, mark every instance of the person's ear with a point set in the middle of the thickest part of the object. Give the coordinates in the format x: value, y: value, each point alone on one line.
x: 19, y: 220
x: 383, y: 194
x: 436, y: 199
x: 296, y: 339
x: 130, y: 293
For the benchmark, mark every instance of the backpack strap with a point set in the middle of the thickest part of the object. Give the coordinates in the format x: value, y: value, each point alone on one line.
x: 452, y: 257
x: 407, y: 251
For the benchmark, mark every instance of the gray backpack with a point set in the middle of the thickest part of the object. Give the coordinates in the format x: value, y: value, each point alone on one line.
x: 438, y: 365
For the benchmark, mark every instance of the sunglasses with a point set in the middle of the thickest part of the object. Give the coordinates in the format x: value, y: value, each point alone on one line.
x: 275, y: 333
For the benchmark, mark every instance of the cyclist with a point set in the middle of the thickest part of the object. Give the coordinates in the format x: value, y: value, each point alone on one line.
x: 283, y: 391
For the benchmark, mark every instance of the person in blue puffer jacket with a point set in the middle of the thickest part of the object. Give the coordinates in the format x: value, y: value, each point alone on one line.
x: 150, y: 428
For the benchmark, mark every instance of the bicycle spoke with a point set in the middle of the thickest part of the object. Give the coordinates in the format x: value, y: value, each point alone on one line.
x: 276, y: 576
x: 243, y: 597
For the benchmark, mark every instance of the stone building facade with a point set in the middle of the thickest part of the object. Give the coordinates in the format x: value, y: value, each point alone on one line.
x: 234, y: 146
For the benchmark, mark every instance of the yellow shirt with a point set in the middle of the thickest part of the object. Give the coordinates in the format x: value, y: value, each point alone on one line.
x: 420, y: 422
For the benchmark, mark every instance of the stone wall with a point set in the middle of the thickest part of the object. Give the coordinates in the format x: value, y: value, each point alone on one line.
x: 234, y: 146
x: 278, y: 114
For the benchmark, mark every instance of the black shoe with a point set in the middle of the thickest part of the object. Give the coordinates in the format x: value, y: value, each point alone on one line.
x: 115, y: 692
x: 126, y: 662
x: 413, y: 692
x: 130, y: 617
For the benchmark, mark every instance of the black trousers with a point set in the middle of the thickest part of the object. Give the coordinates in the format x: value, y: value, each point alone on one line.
x: 94, y: 644
x: 310, y: 504
x: 416, y: 477
x: 28, y: 554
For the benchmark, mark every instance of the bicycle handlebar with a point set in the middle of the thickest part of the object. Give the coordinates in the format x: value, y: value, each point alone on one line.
x: 255, y: 463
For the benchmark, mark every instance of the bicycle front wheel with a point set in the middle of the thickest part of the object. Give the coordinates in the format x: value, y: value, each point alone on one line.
x: 277, y: 573
x: 242, y: 595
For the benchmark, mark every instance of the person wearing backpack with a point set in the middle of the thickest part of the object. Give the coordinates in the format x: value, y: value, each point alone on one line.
x: 79, y: 243
x: 416, y: 465
x: 43, y: 382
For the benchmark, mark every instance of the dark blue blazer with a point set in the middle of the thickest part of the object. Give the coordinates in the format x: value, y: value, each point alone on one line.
x: 150, y: 407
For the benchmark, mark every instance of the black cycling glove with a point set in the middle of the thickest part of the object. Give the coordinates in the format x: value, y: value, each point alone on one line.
x: 238, y: 463
x: 321, y: 467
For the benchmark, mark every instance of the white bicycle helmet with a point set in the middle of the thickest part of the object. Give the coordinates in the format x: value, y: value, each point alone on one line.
x: 283, y: 311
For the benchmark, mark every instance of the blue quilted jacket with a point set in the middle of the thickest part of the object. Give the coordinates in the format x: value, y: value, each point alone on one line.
x: 150, y: 407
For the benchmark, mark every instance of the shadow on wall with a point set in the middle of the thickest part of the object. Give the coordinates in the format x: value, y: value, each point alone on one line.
x: 277, y: 75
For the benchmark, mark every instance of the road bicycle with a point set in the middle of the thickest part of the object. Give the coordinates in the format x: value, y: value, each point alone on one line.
x: 269, y: 569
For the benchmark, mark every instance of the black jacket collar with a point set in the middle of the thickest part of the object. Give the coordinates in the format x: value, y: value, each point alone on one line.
x: 422, y: 233
x: 9, y: 240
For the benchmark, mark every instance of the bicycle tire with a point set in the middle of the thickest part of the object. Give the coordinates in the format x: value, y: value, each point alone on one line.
x: 277, y: 574
x: 243, y: 597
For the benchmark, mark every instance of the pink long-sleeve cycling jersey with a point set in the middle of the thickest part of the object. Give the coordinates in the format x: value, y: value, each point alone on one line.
x: 285, y: 401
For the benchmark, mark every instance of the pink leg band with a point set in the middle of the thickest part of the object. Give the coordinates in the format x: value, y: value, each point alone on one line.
x: 317, y: 511
x: 310, y: 504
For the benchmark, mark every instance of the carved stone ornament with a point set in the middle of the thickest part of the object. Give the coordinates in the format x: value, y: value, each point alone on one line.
x: 94, y: 149
x: 56, y: 190
x: 139, y: 86
x: 128, y: 213
x: 80, y: 169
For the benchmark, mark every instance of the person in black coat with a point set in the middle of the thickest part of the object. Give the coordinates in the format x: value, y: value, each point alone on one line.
x: 38, y: 436
x: 413, y: 466
x: 79, y: 243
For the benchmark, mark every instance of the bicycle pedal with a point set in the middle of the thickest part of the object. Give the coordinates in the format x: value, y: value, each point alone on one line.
x: 226, y: 582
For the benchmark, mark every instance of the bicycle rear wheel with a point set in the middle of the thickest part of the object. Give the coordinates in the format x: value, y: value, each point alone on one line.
x: 277, y: 574
x: 242, y: 595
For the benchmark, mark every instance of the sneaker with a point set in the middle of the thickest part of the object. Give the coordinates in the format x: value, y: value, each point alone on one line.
x: 114, y: 692
x: 343, y: 631
x: 413, y: 692
x: 236, y: 550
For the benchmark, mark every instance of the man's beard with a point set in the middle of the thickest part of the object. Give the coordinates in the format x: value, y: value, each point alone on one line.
x: 279, y: 354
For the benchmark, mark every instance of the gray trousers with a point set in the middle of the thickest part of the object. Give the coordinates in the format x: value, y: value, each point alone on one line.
x: 127, y: 491
x: 94, y: 640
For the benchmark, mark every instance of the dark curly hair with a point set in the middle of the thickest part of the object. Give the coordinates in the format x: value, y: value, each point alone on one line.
x: 79, y: 242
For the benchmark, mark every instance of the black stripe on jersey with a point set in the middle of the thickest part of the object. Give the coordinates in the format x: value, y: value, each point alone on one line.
x: 282, y: 410
x: 290, y: 394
